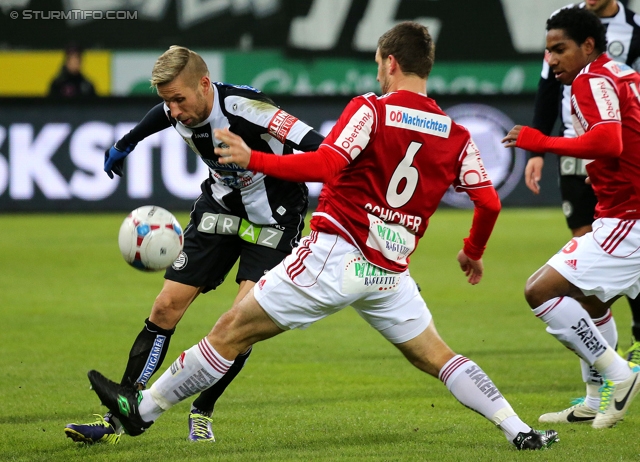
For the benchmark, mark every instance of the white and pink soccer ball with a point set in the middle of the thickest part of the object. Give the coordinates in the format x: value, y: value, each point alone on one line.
x: 150, y: 238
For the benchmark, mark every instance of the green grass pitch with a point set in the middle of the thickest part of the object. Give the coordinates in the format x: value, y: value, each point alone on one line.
x: 338, y: 391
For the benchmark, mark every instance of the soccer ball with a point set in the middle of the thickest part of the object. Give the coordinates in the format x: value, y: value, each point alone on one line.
x: 150, y: 238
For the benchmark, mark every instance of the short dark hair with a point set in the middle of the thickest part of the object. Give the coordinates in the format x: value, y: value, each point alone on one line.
x: 579, y: 24
x: 411, y: 45
x: 72, y: 48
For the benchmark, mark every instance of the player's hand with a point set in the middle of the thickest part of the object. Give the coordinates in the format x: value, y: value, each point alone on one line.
x: 114, y: 159
x: 237, y: 152
x: 533, y: 174
x: 509, y: 141
x: 473, y: 269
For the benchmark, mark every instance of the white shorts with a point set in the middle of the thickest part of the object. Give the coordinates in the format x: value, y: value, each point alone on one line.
x: 604, y: 262
x: 325, y: 274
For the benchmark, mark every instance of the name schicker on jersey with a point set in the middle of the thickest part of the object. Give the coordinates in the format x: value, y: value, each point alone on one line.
x: 407, y: 152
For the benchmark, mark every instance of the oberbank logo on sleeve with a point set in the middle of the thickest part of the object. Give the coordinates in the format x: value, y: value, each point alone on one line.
x: 420, y: 121
x: 356, y: 133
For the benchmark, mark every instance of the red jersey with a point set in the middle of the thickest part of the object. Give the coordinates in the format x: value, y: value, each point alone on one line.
x: 403, y: 153
x: 609, y: 92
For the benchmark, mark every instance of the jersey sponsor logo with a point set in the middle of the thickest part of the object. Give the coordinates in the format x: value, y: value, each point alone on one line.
x: 393, y: 241
x: 243, y: 87
x: 570, y: 247
x: 215, y: 165
x: 233, y: 179
x: 201, y: 135
x: 355, y: 135
x: 606, y: 98
x: 420, y: 121
x: 408, y: 221
x: 618, y: 69
x: 229, y: 225
x: 361, y: 276
x: 473, y: 172
x: 588, y: 338
x: 280, y: 125
x: 582, y: 126
x: 483, y: 382
x: 504, y: 167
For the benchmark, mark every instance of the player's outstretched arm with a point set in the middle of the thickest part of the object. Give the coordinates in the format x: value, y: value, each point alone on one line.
x: 602, y: 140
x: 473, y: 269
x: 154, y: 121
x: 321, y: 165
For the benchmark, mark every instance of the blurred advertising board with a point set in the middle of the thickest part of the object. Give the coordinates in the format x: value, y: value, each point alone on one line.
x: 51, y: 154
x: 126, y: 73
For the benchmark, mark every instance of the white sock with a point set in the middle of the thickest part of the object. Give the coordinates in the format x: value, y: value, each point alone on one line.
x: 568, y: 322
x: 593, y: 396
x: 473, y: 388
x: 195, y: 370
x: 607, y: 327
x: 612, y: 366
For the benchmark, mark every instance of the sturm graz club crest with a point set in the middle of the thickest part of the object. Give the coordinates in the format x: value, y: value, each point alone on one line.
x: 488, y: 126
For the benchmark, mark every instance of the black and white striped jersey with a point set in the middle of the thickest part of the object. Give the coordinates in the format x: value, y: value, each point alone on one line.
x: 263, y: 126
x: 553, y: 98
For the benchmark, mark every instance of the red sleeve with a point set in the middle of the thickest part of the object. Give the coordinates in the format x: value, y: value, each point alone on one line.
x: 321, y: 165
x: 487, y: 208
x: 603, y: 140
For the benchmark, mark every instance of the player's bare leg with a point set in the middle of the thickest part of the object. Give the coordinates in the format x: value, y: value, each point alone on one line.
x: 472, y: 387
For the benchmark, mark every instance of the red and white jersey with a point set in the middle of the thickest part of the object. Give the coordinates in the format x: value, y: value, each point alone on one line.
x: 403, y: 152
x: 609, y: 92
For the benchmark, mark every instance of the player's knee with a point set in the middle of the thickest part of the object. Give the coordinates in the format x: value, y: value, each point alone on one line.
x: 534, y: 293
x: 225, y: 328
x: 166, y: 311
x: 228, y: 335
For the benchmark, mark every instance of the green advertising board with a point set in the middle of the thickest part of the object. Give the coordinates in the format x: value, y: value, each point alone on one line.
x: 275, y: 73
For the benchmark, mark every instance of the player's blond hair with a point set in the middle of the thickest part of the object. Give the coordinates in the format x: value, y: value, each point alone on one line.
x: 177, y: 61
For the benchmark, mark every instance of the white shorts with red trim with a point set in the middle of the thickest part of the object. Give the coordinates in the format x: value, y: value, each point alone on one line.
x: 604, y: 262
x: 325, y: 274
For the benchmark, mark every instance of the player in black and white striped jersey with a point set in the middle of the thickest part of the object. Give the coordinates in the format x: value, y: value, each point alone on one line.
x: 578, y: 199
x: 240, y: 215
